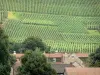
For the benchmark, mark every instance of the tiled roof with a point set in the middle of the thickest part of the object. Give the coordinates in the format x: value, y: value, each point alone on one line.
x: 82, y: 71
x: 54, y: 55
x: 51, y: 55
x: 61, y: 54
x: 82, y: 54
x: 59, y: 67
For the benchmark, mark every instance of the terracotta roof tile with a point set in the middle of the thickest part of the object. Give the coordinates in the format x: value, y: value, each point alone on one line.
x: 82, y: 54
x: 54, y: 55
x: 82, y: 71
x: 59, y: 55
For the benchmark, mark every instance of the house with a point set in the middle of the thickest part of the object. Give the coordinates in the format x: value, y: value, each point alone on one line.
x: 81, y: 71
x: 54, y: 57
x: 65, y: 58
x: 59, y: 61
x: 74, y: 59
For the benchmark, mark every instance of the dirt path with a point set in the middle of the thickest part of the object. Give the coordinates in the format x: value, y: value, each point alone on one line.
x: 17, y: 64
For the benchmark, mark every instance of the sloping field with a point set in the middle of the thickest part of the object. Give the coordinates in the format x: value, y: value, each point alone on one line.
x: 59, y: 32
x: 58, y: 7
x: 65, y: 25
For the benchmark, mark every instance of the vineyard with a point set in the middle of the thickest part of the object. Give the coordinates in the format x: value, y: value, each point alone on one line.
x: 57, y: 7
x: 65, y: 25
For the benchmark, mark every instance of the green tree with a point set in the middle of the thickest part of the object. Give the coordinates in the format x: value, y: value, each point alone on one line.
x: 12, y: 60
x: 4, y: 54
x: 32, y: 43
x: 14, y: 47
x: 35, y: 63
x: 4, y: 69
x: 94, y: 58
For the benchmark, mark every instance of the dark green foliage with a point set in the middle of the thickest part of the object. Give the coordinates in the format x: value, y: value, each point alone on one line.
x: 30, y: 43
x: 33, y: 42
x: 15, y: 47
x: 4, y: 54
x: 95, y: 58
x: 4, y: 69
x: 35, y: 63
x: 12, y: 60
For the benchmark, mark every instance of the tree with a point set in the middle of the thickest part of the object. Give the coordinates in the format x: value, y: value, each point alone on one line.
x: 14, y: 47
x: 4, y: 54
x: 94, y: 58
x: 35, y: 63
x: 12, y: 60
x: 32, y: 43
x: 4, y: 69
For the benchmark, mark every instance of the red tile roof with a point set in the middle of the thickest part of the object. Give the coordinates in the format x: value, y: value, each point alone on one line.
x: 82, y: 54
x: 82, y: 71
x: 54, y: 55
x: 51, y: 55
x: 61, y: 54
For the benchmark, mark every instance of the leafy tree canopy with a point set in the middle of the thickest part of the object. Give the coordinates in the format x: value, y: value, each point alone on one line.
x: 33, y: 42
x: 12, y: 60
x: 94, y: 58
x: 15, y: 47
x: 4, y: 54
x: 35, y: 63
x: 4, y: 69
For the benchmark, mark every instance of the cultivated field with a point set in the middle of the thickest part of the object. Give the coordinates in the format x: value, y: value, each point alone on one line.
x: 65, y: 25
